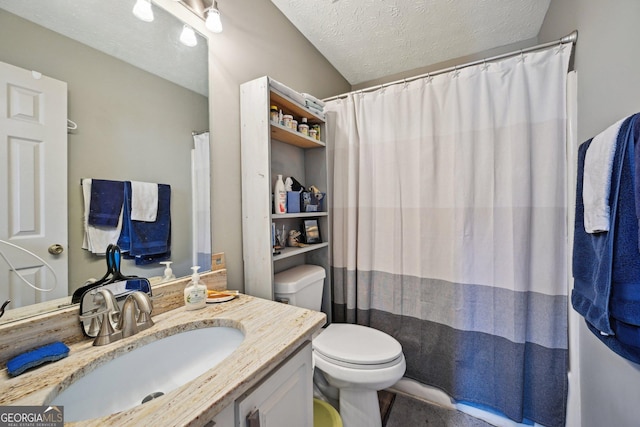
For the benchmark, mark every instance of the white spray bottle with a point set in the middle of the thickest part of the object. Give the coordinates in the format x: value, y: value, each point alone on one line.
x: 195, y: 294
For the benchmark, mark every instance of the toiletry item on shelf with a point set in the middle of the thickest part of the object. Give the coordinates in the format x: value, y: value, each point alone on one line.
x: 195, y: 294
x: 303, y: 127
x: 294, y: 125
x: 286, y: 120
x: 280, y: 196
x: 275, y: 115
x: 313, y: 133
x: 317, y: 129
x: 168, y: 272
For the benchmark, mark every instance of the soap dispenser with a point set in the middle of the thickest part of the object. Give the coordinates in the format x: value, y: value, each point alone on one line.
x: 195, y: 294
x: 168, y: 272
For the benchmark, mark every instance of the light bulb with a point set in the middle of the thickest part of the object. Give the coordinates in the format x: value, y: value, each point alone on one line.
x: 142, y: 10
x: 213, y: 22
x: 188, y: 36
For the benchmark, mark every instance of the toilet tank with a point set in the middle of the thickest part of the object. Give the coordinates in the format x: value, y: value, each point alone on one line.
x: 300, y: 286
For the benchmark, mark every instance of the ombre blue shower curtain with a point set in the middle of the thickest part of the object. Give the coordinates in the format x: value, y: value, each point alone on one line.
x: 450, y: 231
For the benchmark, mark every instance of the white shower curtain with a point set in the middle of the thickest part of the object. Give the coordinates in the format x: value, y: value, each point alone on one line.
x: 449, y: 228
x: 201, y: 181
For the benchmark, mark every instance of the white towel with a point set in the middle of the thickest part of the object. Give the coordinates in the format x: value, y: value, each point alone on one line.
x: 144, y: 201
x: 97, y: 238
x: 596, y: 182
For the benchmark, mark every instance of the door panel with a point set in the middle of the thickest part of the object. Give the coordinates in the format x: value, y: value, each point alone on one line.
x: 33, y: 183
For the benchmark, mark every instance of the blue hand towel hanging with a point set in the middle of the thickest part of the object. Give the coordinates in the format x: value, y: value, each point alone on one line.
x: 606, y: 266
x: 141, y: 238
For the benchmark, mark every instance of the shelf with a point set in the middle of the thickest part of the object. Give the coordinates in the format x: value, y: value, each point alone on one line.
x: 289, y: 106
x: 289, y: 252
x: 292, y: 137
x: 298, y: 215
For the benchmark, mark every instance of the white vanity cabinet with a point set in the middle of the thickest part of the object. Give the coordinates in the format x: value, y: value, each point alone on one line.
x: 283, y: 399
x: 269, y: 149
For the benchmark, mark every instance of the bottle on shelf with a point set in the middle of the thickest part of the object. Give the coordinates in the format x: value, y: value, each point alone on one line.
x: 280, y: 196
x: 317, y: 129
x: 303, y: 127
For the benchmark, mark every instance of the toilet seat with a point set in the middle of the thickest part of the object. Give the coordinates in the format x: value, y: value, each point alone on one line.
x: 357, y: 347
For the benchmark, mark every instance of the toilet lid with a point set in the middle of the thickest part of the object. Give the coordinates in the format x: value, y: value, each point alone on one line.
x: 357, y: 344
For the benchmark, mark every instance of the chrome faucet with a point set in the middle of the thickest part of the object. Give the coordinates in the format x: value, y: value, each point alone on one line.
x: 113, y: 324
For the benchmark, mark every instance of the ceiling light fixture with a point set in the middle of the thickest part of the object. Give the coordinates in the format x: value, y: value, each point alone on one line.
x: 188, y: 36
x: 142, y: 10
x: 213, y: 21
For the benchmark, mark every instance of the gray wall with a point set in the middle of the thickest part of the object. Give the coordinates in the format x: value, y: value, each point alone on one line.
x: 257, y: 40
x: 132, y: 125
x: 607, y: 62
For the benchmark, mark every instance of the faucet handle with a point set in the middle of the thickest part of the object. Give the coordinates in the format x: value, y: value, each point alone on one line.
x: 128, y: 322
x: 106, y: 333
x: 145, y: 307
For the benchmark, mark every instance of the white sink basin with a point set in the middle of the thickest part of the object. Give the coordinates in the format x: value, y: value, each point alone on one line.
x: 146, y: 372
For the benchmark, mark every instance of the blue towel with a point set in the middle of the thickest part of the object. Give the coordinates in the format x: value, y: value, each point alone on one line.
x: 106, y: 202
x: 145, y: 239
x: 606, y: 266
x: 48, y: 353
x: 636, y: 175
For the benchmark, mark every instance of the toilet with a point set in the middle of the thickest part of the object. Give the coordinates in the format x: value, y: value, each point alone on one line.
x: 357, y: 360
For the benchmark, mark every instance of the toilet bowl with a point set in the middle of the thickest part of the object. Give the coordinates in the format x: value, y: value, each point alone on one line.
x: 358, y: 361
x: 355, y: 359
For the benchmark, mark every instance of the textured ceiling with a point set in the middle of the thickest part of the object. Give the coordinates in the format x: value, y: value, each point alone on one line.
x: 110, y: 27
x: 369, y: 39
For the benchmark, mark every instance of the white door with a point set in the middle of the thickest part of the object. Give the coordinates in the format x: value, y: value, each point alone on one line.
x: 33, y: 184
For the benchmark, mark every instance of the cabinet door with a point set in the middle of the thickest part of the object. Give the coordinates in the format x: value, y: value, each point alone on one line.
x: 223, y: 419
x: 284, y: 398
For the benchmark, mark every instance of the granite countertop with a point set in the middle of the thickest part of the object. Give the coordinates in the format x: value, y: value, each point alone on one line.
x: 272, y: 331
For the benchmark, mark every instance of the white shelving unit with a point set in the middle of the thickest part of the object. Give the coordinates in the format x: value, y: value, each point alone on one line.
x: 269, y: 149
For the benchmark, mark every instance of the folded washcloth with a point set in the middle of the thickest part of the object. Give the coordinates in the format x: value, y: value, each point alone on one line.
x: 144, y: 201
x: 48, y: 353
x: 97, y: 238
x: 597, y: 179
x: 313, y: 105
x: 106, y: 202
x: 309, y: 97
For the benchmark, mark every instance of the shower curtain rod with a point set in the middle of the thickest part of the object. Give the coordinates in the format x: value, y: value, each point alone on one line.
x: 570, y: 38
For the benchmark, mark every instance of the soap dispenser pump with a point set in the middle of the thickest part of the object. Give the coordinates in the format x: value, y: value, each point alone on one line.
x: 195, y: 294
